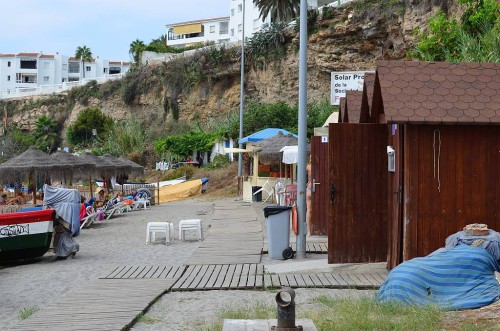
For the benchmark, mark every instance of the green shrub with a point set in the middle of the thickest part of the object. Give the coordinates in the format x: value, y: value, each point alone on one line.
x: 219, y: 161
x: 186, y: 170
x: 80, y: 131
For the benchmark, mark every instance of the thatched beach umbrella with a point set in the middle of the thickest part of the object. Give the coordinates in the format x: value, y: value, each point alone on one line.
x: 269, y: 149
x: 103, y: 168
x: 81, y: 169
x: 32, y: 164
x: 121, y: 168
x: 136, y: 169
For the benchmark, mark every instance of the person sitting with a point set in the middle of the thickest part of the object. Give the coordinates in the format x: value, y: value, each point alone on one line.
x: 101, y: 197
x: 83, y: 208
x: 3, y: 199
x: 19, y: 199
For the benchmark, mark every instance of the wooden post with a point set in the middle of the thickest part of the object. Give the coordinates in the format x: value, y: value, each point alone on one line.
x: 158, y: 196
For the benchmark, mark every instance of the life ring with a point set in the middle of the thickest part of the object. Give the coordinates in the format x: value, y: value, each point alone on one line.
x: 294, y: 220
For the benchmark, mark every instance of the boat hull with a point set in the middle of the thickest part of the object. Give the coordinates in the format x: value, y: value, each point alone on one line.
x: 25, y: 235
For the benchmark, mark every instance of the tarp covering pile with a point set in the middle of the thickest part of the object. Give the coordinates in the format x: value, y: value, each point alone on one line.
x: 66, y: 203
x: 180, y: 191
x: 458, y: 278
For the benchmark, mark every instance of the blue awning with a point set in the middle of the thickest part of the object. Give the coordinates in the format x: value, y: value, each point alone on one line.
x: 264, y: 134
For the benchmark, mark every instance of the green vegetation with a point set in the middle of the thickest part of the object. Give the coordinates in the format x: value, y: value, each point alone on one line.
x: 80, y: 132
x: 184, y: 145
x: 278, y: 10
x: 124, y: 138
x: 475, y: 38
x: 46, y: 133
x: 147, y: 319
x: 26, y: 312
x: 219, y: 161
x: 84, y: 54
x: 268, y: 44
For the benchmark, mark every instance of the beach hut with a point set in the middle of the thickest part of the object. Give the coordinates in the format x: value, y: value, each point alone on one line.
x: 432, y: 141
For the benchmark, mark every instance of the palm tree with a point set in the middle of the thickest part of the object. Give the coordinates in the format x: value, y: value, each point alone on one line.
x: 83, y: 54
x: 136, y: 48
x: 279, y: 10
x: 46, y: 133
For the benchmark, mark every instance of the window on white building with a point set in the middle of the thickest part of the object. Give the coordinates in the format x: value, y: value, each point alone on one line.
x: 256, y: 24
x: 8, y: 64
x: 232, y: 32
x: 88, y: 68
x: 64, y: 66
x: 105, y: 70
x: 239, y: 27
x: 46, y: 79
x: 240, y: 8
x: 74, y: 67
x: 223, y: 27
x: 8, y: 78
x: 28, y: 64
x: 46, y: 65
x: 212, y: 28
x: 232, y: 14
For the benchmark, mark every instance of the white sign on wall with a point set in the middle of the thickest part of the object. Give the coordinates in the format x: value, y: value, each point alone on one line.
x: 344, y: 81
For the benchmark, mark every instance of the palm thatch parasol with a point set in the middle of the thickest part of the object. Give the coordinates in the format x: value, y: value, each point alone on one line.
x: 103, y: 168
x: 136, y: 169
x: 32, y: 162
x: 81, y: 168
x: 121, y: 168
x: 269, y: 149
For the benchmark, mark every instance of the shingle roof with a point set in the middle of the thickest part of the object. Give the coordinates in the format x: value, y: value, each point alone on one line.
x: 47, y: 56
x: 27, y: 54
x: 199, y: 21
x: 264, y: 134
x: 353, y: 106
x: 440, y: 92
x: 7, y: 55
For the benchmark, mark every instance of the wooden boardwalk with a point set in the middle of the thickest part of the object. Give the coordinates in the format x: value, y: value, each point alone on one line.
x: 235, y: 237
x: 146, y: 272
x: 311, y: 247
x: 106, y: 304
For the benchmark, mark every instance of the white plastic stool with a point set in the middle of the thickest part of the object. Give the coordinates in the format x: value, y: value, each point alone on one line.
x: 153, y: 227
x: 186, y: 225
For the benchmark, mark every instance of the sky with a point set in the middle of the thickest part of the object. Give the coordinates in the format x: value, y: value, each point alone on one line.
x: 107, y: 27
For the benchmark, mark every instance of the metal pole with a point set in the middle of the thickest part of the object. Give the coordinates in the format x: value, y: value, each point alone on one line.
x: 302, y: 162
x: 242, y: 91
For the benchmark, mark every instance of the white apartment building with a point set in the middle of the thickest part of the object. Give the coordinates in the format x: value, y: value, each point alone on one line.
x: 33, y: 70
x: 224, y: 29
x: 200, y: 31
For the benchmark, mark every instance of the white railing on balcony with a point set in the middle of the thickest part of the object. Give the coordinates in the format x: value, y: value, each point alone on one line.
x: 20, y: 92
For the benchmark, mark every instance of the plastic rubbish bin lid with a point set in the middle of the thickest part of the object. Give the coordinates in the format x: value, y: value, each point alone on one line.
x: 273, y: 210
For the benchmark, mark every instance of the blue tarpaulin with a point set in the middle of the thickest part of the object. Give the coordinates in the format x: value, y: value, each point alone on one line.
x: 458, y: 278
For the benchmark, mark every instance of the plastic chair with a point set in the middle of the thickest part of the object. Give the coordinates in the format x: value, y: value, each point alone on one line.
x: 186, y: 225
x: 269, y: 189
x: 290, y: 194
x: 154, y: 227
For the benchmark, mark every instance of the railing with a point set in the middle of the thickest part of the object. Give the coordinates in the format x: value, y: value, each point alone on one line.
x: 20, y: 92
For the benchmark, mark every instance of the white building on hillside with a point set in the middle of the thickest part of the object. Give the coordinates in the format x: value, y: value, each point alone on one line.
x: 33, y: 70
x: 224, y: 29
x: 188, y: 33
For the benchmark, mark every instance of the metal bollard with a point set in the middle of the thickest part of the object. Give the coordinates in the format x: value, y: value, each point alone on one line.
x: 286, y: 311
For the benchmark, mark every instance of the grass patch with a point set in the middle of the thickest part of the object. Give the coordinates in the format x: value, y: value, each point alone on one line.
x: 258, y: 311
x: 26, y: 312
x: 367, y: 314
x: 147, y: 319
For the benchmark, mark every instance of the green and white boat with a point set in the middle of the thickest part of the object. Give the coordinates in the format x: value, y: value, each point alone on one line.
x: 25, y: 235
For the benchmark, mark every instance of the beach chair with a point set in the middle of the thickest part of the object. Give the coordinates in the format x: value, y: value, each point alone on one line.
x: 88, y: 220
x: 141, y: 200
x: 290, y: 194
x: 269, y: 189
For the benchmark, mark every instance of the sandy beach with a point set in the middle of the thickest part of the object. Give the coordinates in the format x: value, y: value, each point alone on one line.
x: 122, y: 241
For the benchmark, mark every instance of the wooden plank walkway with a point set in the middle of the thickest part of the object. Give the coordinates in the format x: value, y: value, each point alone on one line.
x: 145, y: 272
x: 311, y: 247
x: 235, y: 237
x: 106, y: 304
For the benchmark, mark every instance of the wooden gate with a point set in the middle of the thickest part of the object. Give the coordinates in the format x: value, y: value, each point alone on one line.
x: 320, y: 202
x: 357, y: 230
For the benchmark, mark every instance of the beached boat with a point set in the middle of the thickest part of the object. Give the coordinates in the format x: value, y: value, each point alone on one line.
x: 25, y: 235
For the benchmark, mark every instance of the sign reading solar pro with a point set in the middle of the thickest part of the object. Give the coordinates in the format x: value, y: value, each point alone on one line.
x: 344, y: 81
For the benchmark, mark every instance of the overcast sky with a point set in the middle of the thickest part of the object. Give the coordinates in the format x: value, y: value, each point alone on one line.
x: 107, y: 27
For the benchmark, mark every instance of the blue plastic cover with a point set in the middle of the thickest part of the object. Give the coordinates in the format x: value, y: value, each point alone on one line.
x: 458, y: 278
x: 264, y: 134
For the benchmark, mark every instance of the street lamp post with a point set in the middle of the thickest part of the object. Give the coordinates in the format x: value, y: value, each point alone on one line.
x: 242, y: 91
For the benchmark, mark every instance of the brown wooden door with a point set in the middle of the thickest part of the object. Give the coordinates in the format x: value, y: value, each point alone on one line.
x: 320, y: 202
x: 357, y: 230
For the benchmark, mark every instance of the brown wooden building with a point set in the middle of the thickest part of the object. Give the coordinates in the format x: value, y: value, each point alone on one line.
x: 442, y: 122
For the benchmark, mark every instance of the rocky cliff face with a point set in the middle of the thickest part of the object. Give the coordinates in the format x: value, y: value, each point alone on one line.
x: 348, y: 38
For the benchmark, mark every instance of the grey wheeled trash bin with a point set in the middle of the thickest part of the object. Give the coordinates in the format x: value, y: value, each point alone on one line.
x: 278, y: 232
